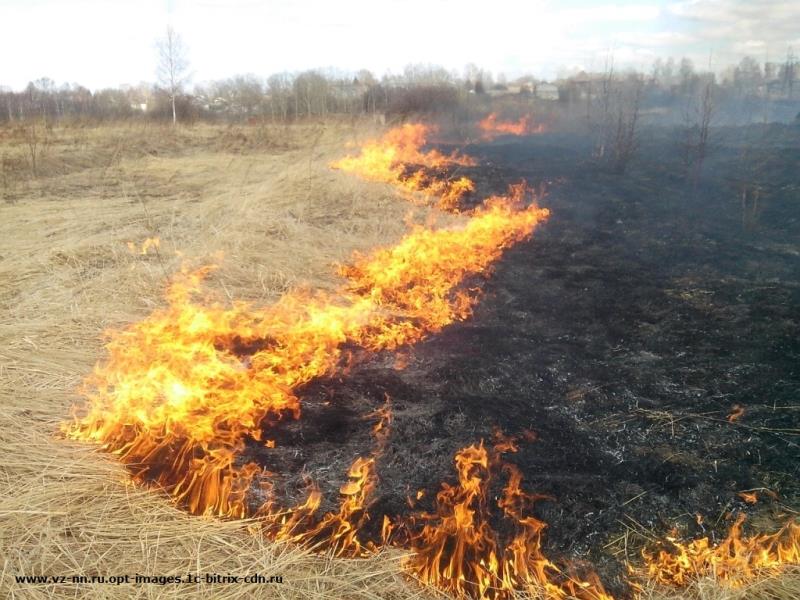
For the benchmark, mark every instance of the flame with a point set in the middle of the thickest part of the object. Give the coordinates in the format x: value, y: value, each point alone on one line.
x: 147, y: 244
x: 181, y: 391
x: 397, y: 158
x: 491, y: 128
x: 736, y: 560
x: 457, y: 550
x: 737, y: 412
x: 749, y: 497
x: 336, y: 531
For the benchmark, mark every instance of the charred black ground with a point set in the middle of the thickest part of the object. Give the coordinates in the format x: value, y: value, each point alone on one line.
x: 623, y: 334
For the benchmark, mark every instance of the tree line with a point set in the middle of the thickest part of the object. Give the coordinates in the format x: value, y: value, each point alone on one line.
x: 284, y: 97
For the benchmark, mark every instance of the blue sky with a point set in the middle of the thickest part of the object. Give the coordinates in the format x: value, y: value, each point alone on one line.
x: 107, y: 43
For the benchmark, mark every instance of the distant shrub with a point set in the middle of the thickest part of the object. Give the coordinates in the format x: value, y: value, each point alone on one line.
x: 423, y: 99
x: 160, y: 107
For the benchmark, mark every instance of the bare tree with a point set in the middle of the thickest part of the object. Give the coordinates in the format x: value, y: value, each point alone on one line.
x: 279, y: 87
x: 312, y: 88
x: 706, y: 113
x: 623, y: 141
x: 8, y: 98
x: 603, y: 125
x: 700, y: 107
x: 37, y: 139
x: 789, y: 72
x: 173, y: 66
x: 747, y: 76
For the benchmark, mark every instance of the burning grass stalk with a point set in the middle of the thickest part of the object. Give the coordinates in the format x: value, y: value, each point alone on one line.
x: 181, y: 390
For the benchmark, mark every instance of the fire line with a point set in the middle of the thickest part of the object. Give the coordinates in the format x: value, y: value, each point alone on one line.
x: 180, y: 392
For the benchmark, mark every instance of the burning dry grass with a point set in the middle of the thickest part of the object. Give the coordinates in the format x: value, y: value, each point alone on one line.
x: 398, y: 158
x: 782, y: 587
x: 491, y: 127
x: 73, y: 512
x: 67, y: 273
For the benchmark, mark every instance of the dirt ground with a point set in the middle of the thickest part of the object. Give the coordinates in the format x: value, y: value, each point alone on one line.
x: 624, y: 334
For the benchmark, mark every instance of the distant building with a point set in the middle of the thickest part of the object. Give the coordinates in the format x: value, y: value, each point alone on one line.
x: 582, y: 86
x: 546, y: 91
x: 139, y: 96
x: 503, y: 90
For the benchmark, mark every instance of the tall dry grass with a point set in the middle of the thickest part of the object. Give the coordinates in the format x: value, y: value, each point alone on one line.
x: 262, y: 201
x: 266, y: 201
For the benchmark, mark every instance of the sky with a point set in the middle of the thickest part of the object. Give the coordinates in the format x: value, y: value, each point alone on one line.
x: 108, y: 43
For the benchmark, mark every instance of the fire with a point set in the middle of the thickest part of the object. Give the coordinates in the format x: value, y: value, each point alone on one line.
x: 456, y: 549
x: 491, y: 128
x: 180, y: 391
x: 146, y: 245
x: 737, y: 412
x: 397, y: 158
x: 339, y: 531
x: 749, y: 497
x: 736, y: 560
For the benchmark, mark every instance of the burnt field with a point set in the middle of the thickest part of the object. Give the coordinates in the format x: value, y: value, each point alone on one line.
x: 643, y: 346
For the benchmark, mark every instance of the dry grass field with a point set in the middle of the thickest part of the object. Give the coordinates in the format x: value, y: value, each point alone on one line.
x: 267, y: 202
x: 263, y: 204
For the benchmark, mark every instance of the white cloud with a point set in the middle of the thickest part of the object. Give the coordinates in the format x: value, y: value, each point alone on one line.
x: 103, y: 43
x: 768, y: 26
x: 610, y: 13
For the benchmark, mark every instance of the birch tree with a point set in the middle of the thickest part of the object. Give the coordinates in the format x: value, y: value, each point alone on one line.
x: 173, y: 66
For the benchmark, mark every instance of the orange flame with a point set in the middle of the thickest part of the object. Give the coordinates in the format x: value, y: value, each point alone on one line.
x: 749, y: 497
x: 181, y: 390
x: 398, y: 158
x: 737, y: 412
x: 458, y: 551
x: 339, y: 531
x: 148, y: 243
x: 491, y: 128
x: 736, y: 560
